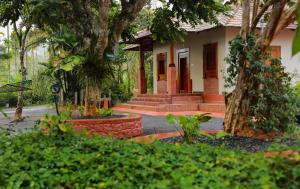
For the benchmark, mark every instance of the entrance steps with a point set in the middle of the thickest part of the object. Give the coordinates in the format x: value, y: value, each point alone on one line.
x: 174, y: 103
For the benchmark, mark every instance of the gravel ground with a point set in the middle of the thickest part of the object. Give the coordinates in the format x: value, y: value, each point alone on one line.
x: 236, y: 143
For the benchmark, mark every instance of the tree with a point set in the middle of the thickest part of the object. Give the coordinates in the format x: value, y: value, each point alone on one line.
x: 18, y: 13
x: 278, y: 15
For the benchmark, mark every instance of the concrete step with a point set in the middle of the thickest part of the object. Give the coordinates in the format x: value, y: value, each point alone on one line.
x: 154, y: 96
x: 178, y: 107
x: 212, y: 107
x: 138, y: 107
x: 186, y: 99
x: 147, y: 103
x: 152, y: 99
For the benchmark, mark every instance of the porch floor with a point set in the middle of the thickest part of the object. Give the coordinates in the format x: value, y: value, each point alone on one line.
x: 164, y: 104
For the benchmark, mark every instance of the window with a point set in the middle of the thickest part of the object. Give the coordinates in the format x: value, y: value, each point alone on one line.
x: 210, y: 60
x: 161, y: 66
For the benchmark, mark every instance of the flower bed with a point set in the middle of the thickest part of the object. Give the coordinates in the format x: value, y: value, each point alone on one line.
x: 115, y: 126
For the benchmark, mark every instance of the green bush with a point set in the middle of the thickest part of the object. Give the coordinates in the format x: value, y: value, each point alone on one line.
x: 10, y: 98
x: 189, y: 125
x: 36, y: 160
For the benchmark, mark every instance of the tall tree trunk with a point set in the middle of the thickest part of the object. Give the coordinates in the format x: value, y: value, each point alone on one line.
x: 90, y: 100
x: 237, y: 107
x: 19, y: 109
x: 22, y: 37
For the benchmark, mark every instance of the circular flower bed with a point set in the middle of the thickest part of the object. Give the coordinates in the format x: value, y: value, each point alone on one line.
x: 117, y: 126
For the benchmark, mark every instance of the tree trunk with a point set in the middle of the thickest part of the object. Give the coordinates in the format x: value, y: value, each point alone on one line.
x: 90, y: 101
x: 238, y: 107
x: 19, y: 109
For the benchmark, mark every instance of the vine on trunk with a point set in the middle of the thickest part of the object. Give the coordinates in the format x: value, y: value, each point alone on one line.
x: 268, y: 90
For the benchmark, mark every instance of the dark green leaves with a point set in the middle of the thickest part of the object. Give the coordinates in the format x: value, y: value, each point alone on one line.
x: 35, y: 160
x: 169, y: 18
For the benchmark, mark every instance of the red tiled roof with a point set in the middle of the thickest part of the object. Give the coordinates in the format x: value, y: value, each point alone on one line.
x: 234, y: 20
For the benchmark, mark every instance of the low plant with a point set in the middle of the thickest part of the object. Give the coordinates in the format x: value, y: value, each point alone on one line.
x: 189, y: 126
x: 5, y: 115
x: 81, y: 110
x: 104, y: 111
x: 56, y: 125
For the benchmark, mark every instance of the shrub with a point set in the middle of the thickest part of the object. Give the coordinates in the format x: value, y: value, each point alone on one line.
x: 189, y: 125
x: 104, y: 111
x: 35, y: 160
x: 10, y: 98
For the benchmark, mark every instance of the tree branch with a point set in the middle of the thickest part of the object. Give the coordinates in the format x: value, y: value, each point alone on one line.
x: 19, y: 35
x: 130, y: 10
x: 288, y: 17
x: 245, y: 18
x: 269, y: 32
x: 255, y: 9
x: 103, y: 24
x: 260, y: 14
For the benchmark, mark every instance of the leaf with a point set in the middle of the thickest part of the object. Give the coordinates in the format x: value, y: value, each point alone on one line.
x: 71, y: 62
x: 62, y: 127
x: 4, y: 114
x: 221, y: 135
x: 171, y: 119
x: 296, y: 42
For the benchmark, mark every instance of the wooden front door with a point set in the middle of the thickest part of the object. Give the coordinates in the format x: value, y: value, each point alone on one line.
x: 183, y: 75
x: 210, y: 68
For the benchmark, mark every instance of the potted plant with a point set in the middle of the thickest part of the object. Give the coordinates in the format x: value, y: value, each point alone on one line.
x: 297, y: 92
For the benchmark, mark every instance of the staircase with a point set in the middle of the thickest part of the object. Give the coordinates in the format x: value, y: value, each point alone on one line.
x: 174, y: 103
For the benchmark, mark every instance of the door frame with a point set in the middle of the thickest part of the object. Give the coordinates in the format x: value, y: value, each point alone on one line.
x: 183, y: 53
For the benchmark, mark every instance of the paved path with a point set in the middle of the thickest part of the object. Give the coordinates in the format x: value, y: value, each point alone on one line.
x: 31, y: 114
x: 151, y: 124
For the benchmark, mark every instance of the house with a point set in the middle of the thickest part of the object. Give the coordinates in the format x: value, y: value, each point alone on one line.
x: 189, y: 75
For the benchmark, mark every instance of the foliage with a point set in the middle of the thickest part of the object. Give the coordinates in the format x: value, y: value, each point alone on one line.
x: 104, y: 111
x: 190, y: 125
x: 297, y: 93
x: 56, y: 125
x: 169, y: 17
x: 36, y: 160
x: 8, y: 98
x: 81, y: 110
x: 5, y: 115
x: 271, y: 98
x: 296, y: 42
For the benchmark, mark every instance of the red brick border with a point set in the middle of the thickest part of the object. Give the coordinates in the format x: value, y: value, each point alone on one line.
x: 116, y: 127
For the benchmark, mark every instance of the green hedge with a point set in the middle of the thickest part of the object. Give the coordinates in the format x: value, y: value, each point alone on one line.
x: 10, y: 98
x: 37, y: 161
